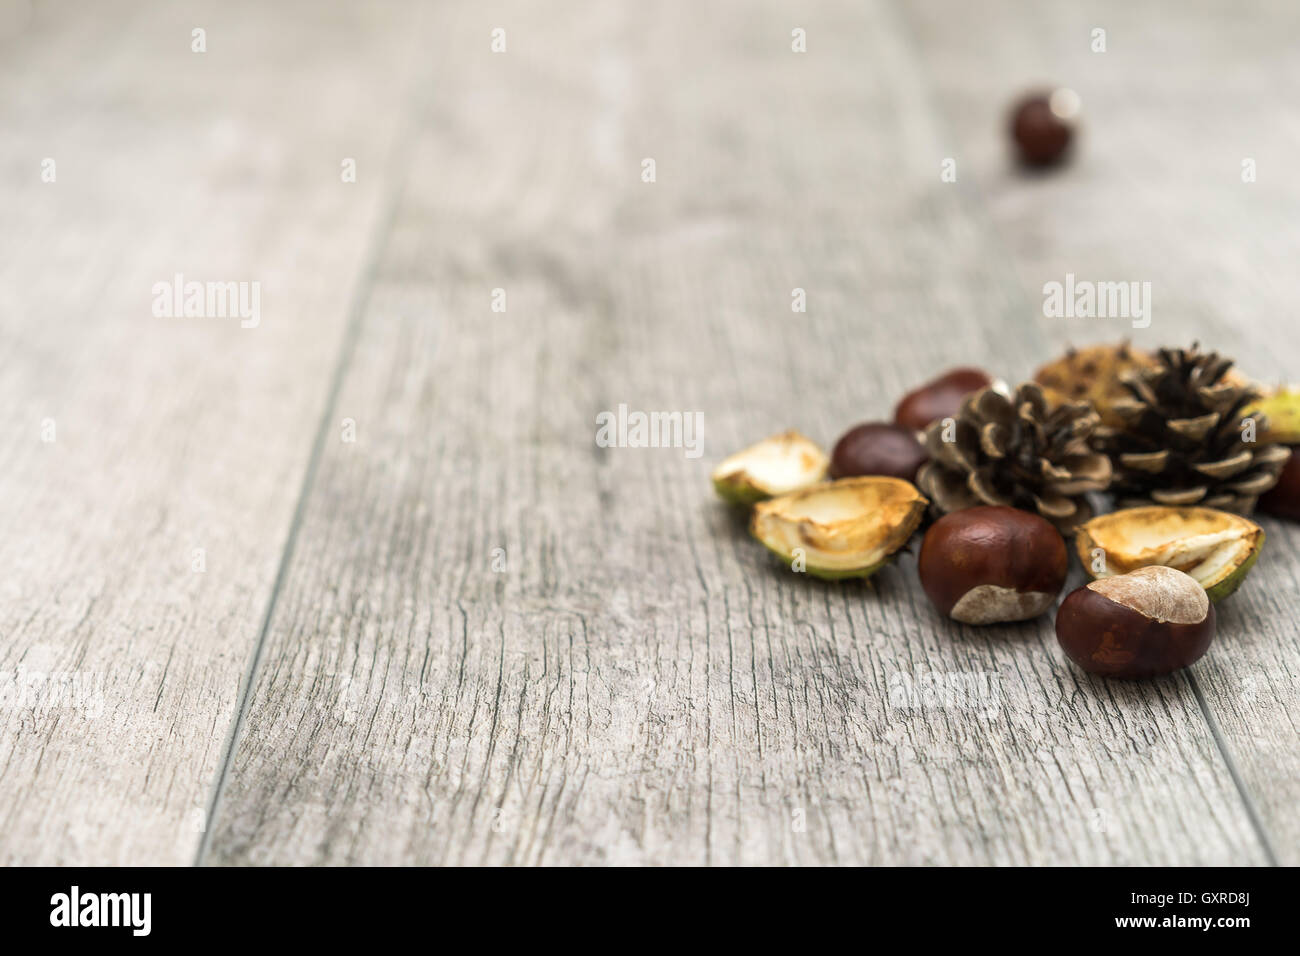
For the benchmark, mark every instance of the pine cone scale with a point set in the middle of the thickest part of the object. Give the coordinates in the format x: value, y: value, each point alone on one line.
x: 1026, y: 455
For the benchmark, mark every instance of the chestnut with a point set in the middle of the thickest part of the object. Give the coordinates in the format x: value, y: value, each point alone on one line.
x: 877, y: 448
x: 940, y: 398
x: 1142, y: 624
x: 992, y: 563
x: 1283, y: 499
x: 1042, y: 126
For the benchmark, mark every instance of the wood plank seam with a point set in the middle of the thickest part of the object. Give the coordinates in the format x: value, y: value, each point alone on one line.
x: 1247, y: 800
x: 356, y: 309
x: 979, y: 209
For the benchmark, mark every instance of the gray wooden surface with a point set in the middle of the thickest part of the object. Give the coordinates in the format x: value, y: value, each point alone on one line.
x: 473, y: 636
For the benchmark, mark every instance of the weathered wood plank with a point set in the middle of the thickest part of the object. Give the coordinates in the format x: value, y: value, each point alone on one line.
x: 1173, y: 107
x: 640, y: 683
x: 122, y: 666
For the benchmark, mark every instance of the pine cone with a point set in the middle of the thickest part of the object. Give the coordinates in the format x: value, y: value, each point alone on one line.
x: 1016, y: 451
x: 1183, y: 435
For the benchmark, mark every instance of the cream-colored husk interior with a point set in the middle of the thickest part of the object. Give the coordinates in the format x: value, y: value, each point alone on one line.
x: 841, y: 526
x: 1207, y: 545
x: 775, y: 465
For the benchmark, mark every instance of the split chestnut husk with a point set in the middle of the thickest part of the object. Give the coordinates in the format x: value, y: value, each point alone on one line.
x: 842, y: 529
x: 774, y: 466
x: 1215, y: 548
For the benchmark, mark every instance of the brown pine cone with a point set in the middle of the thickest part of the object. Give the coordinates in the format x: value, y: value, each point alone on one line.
x: 1187, y: 436
x: 1016, y: 451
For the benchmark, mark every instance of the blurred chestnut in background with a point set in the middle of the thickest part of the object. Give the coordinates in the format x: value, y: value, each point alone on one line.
x: 940, y: 398
x: 1283, y: 499
x: 1043, y: 126
x: 877, y: 448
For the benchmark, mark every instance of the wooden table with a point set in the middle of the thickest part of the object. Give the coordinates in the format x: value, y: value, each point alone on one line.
x: 358, y: 586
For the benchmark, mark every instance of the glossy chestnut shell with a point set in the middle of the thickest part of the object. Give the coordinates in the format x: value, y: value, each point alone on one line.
x: 1114, y: 639
x: 877, y: 448
x: 991, y: 563
x: 940, y: 398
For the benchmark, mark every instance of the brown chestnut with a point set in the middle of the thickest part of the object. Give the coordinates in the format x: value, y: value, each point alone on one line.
x: 1283, y: 499
x: 1142, y: 624
x: 991, y: 563
x: 877, y: 448
x: 1042, y: 126
x: 940, y: 398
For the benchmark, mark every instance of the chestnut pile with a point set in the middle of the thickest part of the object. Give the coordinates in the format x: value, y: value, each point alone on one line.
x: 1007, y: 476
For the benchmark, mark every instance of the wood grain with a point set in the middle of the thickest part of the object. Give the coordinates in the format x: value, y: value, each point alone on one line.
x: 641, y: 683
x: 122, y: 666
x: 1172, y: 108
